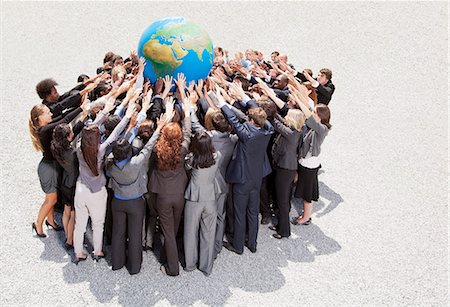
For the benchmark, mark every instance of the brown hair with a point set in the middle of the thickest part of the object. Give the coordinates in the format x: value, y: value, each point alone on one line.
x: 145, y: 130
x: 313, y: 94
x: 168, y: 147
x: 33, y: 126
x: 327, y: 73
x: 324, y: 113
x: 269, y: 107
x: 89, y: 147
x: 258, y: 115
x: 208, y: 118
x: 44, y: 87
x: 220, y: 123
x: 109, y: 56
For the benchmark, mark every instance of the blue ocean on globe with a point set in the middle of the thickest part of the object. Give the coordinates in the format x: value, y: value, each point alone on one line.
x: 173, y: 45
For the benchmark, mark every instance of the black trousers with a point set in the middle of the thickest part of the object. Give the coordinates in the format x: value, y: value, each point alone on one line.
x: 246, y: 208
x: 266, y: 196
x: 150, y: 220
x: 128, y: 216
x: 283, y: 188
x: 170, y: 208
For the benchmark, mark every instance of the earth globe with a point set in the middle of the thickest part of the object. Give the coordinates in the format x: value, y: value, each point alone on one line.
x: 176, y: 45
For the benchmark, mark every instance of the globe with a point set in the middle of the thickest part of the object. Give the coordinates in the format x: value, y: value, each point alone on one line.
x: 176, y: 45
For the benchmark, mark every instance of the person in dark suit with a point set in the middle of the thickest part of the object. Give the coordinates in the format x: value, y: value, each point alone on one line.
x: 284, y: 153
x: 324, y: 87
x: 248, y: 165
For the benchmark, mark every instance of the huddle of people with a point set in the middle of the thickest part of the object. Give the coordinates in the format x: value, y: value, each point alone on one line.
x: 140, y: 160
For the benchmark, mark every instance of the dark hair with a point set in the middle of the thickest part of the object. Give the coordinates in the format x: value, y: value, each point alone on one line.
x: 44, y: 87
x: 110, y: 123
x: 101, y: 87
x: 60, y: 142
x: 121, y: 150
x: 324, y: 113
x: 245, y: 83
x: 220, y: 123
x: 90, y: 139
x: 202, y: 149
x: 82, y: 78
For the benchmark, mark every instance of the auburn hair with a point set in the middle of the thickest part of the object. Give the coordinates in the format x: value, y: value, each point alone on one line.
x: 90, y: 139
x: 168, y: 147
x: 313, y: 94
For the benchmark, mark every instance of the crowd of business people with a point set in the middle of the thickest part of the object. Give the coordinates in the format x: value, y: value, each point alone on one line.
x: 193, y: 164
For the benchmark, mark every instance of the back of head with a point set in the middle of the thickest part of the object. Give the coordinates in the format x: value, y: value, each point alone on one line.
x: 324, y: 113
x: 90, y: 139
x: 258, y: 116
x: 60, y: 141
x: 121, y: 150
x: 82, y: 78
x: 313, y: 93
x: 202, y: 150
x: 219, y: 122
x: 110, y: 123
x: 44, y: 87
x: 145, y: 130
x: 269, y: 107
x: 295, y: 119
x: 167, y: 147
x: 208, y: 118
x: 33, y: 125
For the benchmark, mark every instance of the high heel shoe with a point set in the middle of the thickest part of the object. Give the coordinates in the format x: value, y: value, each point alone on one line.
x: 68, y: 246
x: 40, y: 235
x: 295, y: 222
x: 78, y: 260
x: 98, y: 257
x: 55, y: 228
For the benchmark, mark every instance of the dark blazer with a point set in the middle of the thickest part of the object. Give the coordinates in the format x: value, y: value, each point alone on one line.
x: 71, y: 99
x: 284, y: 150
x: 249, y: 161
x: 324, y: 92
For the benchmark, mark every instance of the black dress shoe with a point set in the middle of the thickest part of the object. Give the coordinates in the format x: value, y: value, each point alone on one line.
x: 274, y: 228
x: 277, y: 236
x: 56, y: 227
x: 266, y: 220
x: 98, y: 257
x: 231, y: 248
x: 252, y: 249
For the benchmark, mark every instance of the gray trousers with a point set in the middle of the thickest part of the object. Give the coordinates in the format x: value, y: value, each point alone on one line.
x: 220, y: 225
x: 203, y: 216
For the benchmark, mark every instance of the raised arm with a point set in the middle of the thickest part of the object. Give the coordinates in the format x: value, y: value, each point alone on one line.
x: 117, y: 130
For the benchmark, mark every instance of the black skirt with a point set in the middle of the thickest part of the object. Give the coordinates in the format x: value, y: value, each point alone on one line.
x: 67, y: 196
x: 307, y: 184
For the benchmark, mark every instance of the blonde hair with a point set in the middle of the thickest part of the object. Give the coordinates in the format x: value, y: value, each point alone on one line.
x: 33, y: 126
x: 295, y: 119
x: 208, y: 118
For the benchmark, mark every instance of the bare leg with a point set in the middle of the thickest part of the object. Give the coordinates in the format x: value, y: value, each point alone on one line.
x: 70, y: 228
x: 50, y: 216
x: 65, y: 218
x: 49, y: 203
x: 307, y: 210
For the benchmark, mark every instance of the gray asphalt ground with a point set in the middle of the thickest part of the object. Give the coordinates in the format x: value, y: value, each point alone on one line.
x: 380, y: 231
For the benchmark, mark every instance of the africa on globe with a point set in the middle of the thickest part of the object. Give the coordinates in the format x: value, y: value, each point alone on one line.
x: 173, y: 45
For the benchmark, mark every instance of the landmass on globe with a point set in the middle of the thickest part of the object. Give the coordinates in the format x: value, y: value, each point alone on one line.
x: 169, y: 45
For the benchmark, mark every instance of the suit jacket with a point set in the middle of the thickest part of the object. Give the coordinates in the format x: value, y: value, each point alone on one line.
x: 249, y: 161
x: 224, y: 143
x: 324, y: 92
x: 205, y: 183
x: 284, y: 150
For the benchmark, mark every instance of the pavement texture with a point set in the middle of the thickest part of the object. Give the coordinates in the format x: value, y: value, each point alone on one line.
x: 380, y: 230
